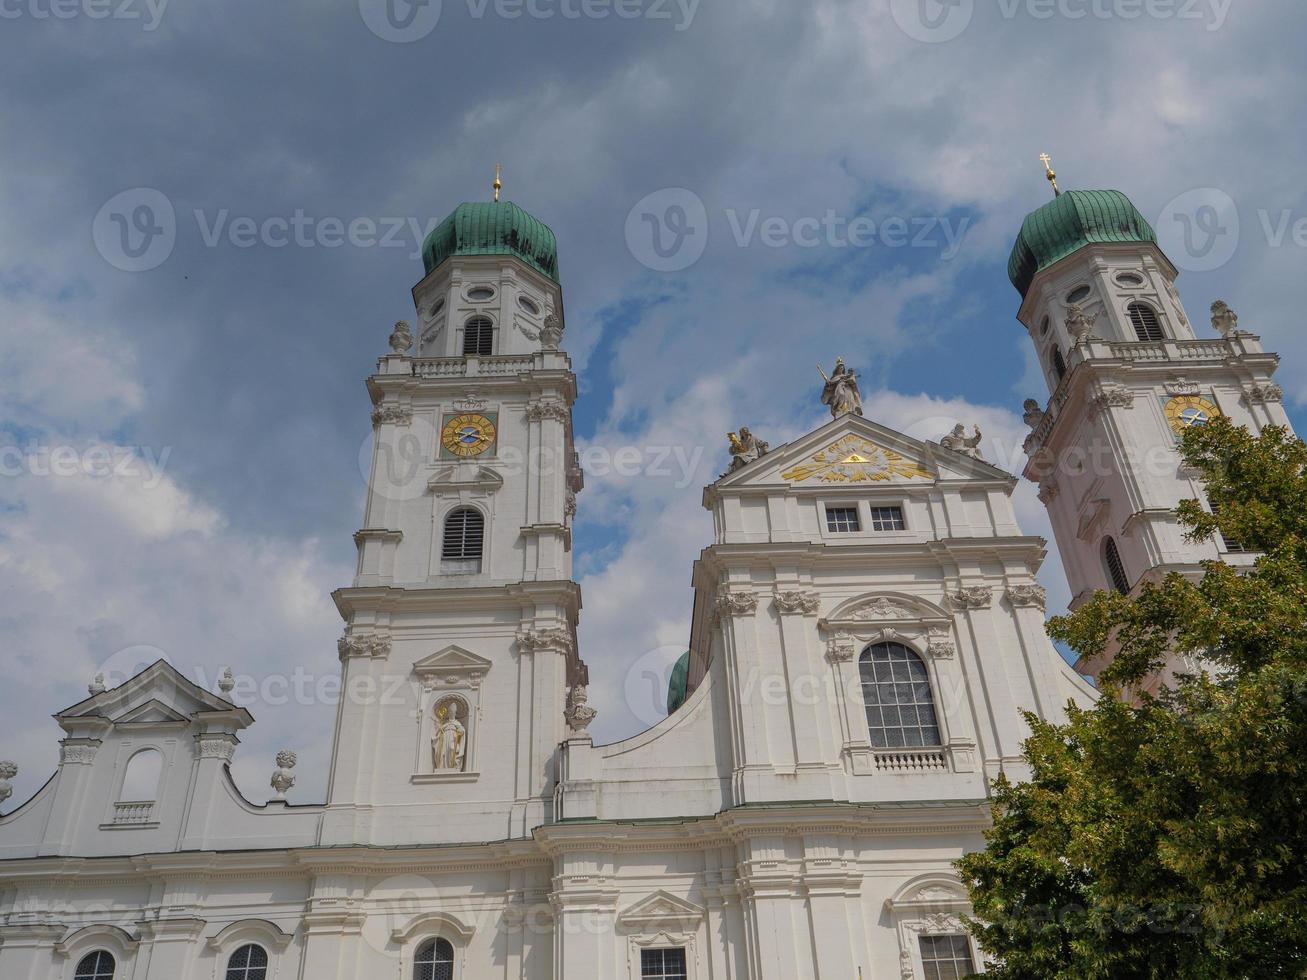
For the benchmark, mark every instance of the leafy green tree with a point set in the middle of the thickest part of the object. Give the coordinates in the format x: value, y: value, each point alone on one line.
x: 1166, y: 837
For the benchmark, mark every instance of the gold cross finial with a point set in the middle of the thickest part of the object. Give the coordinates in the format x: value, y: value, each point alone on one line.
x: 1047, y: 161
x: 498, y: 183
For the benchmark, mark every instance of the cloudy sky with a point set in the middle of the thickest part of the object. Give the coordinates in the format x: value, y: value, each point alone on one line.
x: 208, y: 227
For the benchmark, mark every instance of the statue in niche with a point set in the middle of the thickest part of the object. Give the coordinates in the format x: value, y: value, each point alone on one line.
x: 448, y: 739
x: 745, y: 448
x: 841, y: 390
x: 960, y: 442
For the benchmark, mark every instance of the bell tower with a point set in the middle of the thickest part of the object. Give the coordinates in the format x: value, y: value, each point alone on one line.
x: 459, y: 650
x: 1126, y: 372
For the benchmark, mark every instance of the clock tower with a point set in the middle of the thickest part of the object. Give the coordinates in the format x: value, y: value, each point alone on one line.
x: 460, y: 675
x: 1126, y: 373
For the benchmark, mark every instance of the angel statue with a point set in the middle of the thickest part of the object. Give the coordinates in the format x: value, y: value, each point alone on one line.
x: 745, y: 448
x: 960, y: 442
x: 1224, y: 320
x: 448, y: 741
x: 841, y: 390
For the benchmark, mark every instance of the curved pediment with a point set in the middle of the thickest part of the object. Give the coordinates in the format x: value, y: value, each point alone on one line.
x: 885, y: 608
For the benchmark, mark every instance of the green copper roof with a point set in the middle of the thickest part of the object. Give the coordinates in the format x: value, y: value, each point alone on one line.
x: 493, y: 228
x: 679, y: 681
x: 1069, y: 222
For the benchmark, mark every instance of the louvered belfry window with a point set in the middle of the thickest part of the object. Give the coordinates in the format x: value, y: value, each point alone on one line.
x: 1059, y: 364
x: 478, y: 336
x: 1147, y: 326
x: 1115, y: 567
x: 460, y: 547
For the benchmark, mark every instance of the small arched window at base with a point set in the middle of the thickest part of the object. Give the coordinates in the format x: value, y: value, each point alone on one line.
x: 434, y: 961
x: 250, y: 962
x: 95, y: 966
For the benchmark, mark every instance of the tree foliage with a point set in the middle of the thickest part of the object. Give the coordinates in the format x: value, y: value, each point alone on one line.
x: 1164, y: 836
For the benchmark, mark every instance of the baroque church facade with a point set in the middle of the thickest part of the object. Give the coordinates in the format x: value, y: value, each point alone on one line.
x: 866, y: 631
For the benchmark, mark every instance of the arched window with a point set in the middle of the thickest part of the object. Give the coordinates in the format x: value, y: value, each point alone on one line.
x: 1059, y: 364
x: 95, y: 966
x: 1147, y: 325
x: 434, y: 961
x: 141, y: 780
x: 896, y: 691
x: 1115, y: 567
x: 250, y: 962
x: 478, y: 336
x: 460, y: 548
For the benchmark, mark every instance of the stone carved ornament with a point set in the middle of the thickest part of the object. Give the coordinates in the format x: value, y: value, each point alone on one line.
x: 797, y: 602
x: 1180, y: 386
x: 1079, y: 324
x: 578, y: 713
x: 880, y: 608
x: 401, y: 338
x: 840, y: 648
x: 1224, y: 320
x: 1113, y: 396
x: 736, y: 603
x: 1033, y: 414
x: 282, y: 777
x: 1027, y: 595
x: 975, y: 597
x: 80, y: 753
x: 547, y: 639
x: 392, y: 414
x: 8, y: 770
x: 960, y: 442
x: 548, y: 408
x: 363, y: 645
x: 745, y: 448
x: 1261, y: 394
x: 217, y: 747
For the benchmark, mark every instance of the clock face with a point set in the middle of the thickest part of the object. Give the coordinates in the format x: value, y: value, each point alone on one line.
x: 1189, y: 410
x: 469, y: 434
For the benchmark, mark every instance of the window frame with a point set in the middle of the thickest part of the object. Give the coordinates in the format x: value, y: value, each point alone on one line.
x: 96, y: 974
x: 685, y: 957
x: 434, y: 942
x: 827, y: 521
x: 444, y: 560
x: 872, y: 509
x: 491, y: 330
x: 941, y: 734
x: 246, y: 975
x: 1141, y: 326
x: 933, y: 936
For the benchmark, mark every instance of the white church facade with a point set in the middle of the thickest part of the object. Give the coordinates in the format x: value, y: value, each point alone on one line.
x: 866, y: 631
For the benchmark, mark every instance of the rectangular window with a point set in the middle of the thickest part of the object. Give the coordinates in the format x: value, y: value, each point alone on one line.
x: 946, y: 957
x: 842, y: 520
x: 662, y: 964
x: 887, y: 519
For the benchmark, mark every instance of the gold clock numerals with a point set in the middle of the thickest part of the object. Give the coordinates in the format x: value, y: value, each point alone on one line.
x: 469, y: 434
x: 1184, y: 411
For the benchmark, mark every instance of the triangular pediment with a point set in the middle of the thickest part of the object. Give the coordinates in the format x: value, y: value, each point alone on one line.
x: 152, y: 712
x: 452, y: 661
x: 855, y: 451
x: 659, y: 910
x: 159, y: 694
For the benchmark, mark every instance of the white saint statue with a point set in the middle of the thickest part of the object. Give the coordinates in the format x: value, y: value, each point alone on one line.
x: 448, y: 741
x: 840, y: 391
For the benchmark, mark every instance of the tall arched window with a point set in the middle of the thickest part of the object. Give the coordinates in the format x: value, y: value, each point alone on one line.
x: 434, y: 961
x: 250, y: 962
x: 1115, y: 567
x: 95, y: 966
x: 478, y: 336
x: 141, y: 780
x: 1059, y: 364
x: 460, y: 547
x: 896, y: 691
x: 1147, y: 325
